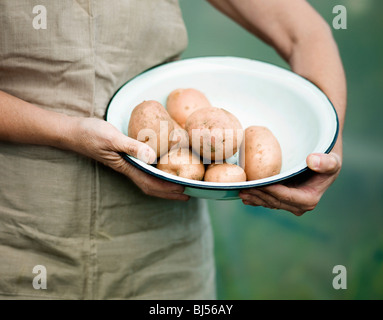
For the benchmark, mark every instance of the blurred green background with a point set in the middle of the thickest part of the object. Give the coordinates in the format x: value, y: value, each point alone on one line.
x: 266, y: 254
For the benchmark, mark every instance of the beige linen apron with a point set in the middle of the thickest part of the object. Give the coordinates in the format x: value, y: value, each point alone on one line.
x: 96, y: 234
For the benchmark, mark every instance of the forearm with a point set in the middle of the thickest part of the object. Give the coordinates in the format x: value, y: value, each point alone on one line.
x: 22, y: 122
x: 301, y: 36
x: 317, y: 59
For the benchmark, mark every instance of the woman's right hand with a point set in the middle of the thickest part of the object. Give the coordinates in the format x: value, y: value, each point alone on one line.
x: 101, y: 141
x: 23, y: 122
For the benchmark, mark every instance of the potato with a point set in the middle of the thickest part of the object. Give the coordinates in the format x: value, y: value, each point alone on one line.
x: 181, y: 103
x: 150, y: 123
x: 214, y: 133
x: 178, y: 138
x: 182, y: 163
x: 224, y: 172
x: 260, y: 153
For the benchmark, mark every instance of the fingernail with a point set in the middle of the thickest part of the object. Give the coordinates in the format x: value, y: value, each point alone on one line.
x: 153, y: 158
x: 145, y: 157
x: 245, y: 197
x: 187, y: 198
x: 149, y: 156
x: 334, y: 163
x: 314, y: 162
x: 143, y: 154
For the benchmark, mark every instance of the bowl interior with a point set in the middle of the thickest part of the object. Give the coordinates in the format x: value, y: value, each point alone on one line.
x: 297, y: 112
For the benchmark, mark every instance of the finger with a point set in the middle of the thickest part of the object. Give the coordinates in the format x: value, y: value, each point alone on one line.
x: 169, y: 196
x: 160, y: 187
x: 298, y: 197
x: 155, y: 187
x: 137, y: 149
x: 163, y: 186
x: 150, y: 184
x: 270, y: 202
x: 323, y: 163
x: 249, y: 203
x: 265, y: 199
x: 253, y: 200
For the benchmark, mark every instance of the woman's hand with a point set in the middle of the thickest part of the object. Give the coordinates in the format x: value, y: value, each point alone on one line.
x: 302, y: 194
x: 304, y: 39
x: 22, y: 122
x: 101, y: 141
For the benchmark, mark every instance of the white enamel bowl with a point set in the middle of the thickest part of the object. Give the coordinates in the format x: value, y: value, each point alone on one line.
x: 300, y: 115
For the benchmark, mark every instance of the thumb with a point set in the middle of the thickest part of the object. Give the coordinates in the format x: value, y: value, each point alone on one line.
x: 137, y: 149
x: 323, y: 163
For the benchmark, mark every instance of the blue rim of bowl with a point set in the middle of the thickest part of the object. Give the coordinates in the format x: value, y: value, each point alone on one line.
x: 223, y: 188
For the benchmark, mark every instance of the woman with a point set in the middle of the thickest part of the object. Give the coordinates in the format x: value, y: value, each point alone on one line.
x: 68, y: 202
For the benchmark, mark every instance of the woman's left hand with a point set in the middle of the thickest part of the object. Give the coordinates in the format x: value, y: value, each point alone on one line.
x: 298, y: 196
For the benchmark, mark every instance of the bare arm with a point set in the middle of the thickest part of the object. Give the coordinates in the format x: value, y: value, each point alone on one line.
x: 22, y: 122
x: 304, y: 40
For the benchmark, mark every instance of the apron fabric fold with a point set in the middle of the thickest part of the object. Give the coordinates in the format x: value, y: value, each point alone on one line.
x: 95, y: 232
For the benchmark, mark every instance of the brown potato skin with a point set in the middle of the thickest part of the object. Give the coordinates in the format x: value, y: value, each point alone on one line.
x: 148, y: 115
x: 181, y: 103
x: 213, y: 121
x: 260, y: 153
x: 224, y: 173
x: 180, y: 136
x: 182, y: 163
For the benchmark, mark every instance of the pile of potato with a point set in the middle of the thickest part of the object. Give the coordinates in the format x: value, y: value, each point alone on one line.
x: 193, y: 139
